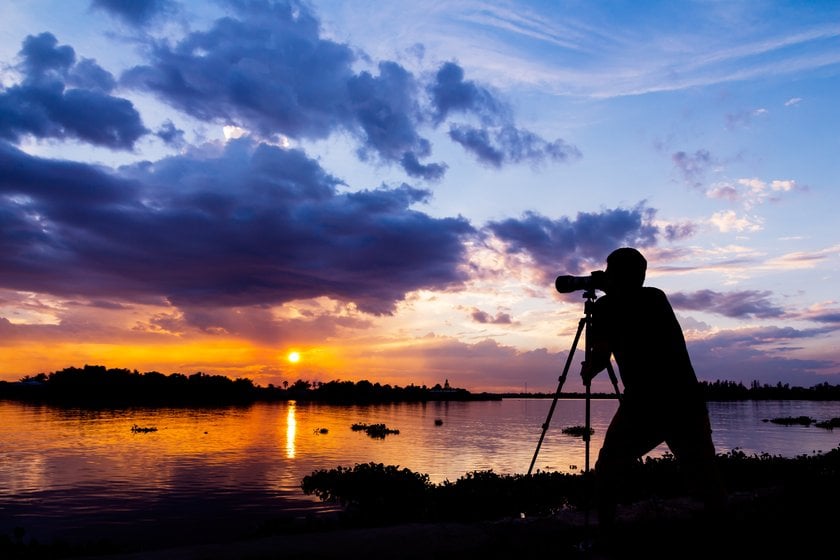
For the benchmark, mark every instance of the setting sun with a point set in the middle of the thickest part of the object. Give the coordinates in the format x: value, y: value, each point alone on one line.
x: 294, y: 357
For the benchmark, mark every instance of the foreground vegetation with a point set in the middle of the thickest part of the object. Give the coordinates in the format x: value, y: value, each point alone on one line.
x: 377, y: 493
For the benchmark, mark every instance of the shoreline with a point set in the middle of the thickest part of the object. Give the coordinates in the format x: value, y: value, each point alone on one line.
x: 767, y: 522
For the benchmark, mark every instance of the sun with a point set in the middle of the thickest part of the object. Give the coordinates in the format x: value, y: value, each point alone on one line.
x: 293, y: 357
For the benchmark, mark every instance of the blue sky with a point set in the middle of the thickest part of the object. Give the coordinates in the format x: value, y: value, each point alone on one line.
x: 390, y: 188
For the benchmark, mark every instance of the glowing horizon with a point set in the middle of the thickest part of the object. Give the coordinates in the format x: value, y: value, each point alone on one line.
x: 397, y: 207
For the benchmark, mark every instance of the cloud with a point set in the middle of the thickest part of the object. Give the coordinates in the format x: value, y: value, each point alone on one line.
x: 831, y: 317
x: 507, y: 144
x: 483, y: 317
x: 728, y: 220
x: 60, y: 98
x: 451, y: 93
x: 693, y: 167
x: 171, y: 135
x: 252, y: 225
x: 269, y: 70
x: 136, y: 12
x: 678, y: 231
x: 497, y: 140
x: 747, y: 303
x: 752, y: 191
x: 762, y: 354
x: 486, y: 364
x: 575, y: 246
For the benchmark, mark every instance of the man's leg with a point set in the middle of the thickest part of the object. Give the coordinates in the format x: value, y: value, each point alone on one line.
x: 629, y: 436
x: 694, y: 449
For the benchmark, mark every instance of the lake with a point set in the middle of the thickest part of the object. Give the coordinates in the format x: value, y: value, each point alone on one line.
x: 68, y: 473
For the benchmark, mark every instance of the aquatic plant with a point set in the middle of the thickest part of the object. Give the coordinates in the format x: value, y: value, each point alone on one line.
x: 577, y: 431
x: 829, y: 424
x: 143, y: 430
x: 374, y: 430
x: 792, y: 420
x: 371, y: 491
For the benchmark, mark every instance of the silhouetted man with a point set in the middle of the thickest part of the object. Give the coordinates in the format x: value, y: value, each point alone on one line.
x: 662, y: 400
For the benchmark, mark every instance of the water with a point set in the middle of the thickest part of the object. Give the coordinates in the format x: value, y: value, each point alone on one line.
x: 74, y: 473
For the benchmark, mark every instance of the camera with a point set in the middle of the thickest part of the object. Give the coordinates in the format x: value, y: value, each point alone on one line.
x: 595, y: 281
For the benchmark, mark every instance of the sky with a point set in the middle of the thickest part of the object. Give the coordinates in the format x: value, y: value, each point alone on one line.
x: 389, y: 189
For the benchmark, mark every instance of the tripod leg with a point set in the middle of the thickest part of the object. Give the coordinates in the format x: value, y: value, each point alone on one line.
x: 614, y: 380
x: 562, y: 380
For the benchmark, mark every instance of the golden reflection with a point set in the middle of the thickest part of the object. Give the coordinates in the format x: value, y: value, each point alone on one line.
x: 291, y: 430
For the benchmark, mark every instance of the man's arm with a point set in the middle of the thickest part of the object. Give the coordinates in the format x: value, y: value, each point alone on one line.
x: 598, y: 356
x: 598, y: 360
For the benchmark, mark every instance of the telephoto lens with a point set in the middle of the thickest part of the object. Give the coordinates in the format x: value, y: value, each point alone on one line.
x: 566, y: 284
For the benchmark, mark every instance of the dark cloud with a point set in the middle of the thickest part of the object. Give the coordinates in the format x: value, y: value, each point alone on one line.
x: 576, y: 246
x: 42, y: 58
x: 693, y: 167
x: 269, y: 70
x: 253, y: 225
x: 676, y: 232
x: 171, y: 135
x: 497, y: 141
x: 826, y: 317
x: 135, y: 12
x: 386, y: 108
x: 87, y: 74
x: 746, y: 303
x: 508, y: 144
x: 451, y: 93
x: 483, y: 317
x: 478, y: 142
x: 429, y: 172
x: 59, y: 98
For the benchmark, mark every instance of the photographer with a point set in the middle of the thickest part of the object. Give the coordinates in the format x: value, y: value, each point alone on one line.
x: 662, y: 399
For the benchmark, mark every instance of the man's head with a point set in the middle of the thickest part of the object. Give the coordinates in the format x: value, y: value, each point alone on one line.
x: 626, y: 269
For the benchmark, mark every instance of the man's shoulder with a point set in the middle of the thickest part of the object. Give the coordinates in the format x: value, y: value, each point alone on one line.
x: 652, y: 291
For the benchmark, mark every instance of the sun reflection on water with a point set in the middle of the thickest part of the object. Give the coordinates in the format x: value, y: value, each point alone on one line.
x: 291, y: 430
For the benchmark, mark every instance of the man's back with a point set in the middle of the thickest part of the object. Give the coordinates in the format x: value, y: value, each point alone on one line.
x: 647, y: 341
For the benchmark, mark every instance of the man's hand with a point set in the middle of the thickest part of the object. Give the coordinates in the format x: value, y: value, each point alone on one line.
x: 587, y: 372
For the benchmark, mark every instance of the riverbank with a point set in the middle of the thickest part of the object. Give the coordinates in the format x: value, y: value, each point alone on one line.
x: 776, y: 507
x: 770, y: 522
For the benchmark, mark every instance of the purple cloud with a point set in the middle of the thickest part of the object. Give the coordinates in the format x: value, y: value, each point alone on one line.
x: 253, y: 225
x: 135, y: 12
x: 693, y: 167
x: 451, y: 93
x: 497, y: 140
x: 576, y: 246
x: 269, y: 70
x: 761, y: 354
x: 746, y: 303
x: 59, y: 98
x: 171, y: 135
x: 483, y: 317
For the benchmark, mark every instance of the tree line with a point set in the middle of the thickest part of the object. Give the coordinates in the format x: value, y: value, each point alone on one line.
x: 98, y: 384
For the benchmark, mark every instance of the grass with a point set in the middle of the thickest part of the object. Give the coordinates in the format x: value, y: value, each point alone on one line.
x: 378, y: 493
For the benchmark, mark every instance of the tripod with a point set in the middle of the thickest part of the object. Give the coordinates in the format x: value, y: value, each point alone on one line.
x: 583, y: 327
